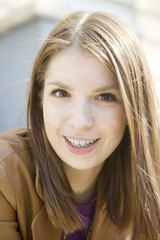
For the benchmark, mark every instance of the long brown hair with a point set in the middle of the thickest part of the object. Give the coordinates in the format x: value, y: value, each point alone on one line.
x: 131, y: 174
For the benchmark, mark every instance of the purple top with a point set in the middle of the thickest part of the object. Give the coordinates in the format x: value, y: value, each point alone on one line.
x: 86, y: 210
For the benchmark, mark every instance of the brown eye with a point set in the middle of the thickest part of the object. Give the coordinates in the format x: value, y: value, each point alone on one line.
x: 59, y: 93
x: 107, y: 97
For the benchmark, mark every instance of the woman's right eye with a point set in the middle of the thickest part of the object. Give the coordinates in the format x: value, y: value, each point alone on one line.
x: 59, y: 93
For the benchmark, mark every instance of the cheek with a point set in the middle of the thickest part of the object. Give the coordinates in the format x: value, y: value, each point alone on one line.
x: 119, y: 125
x: 48, y: 114
x: 51, y: 123
x: 53, y: 116
x: 114, y: 116
x: 114, y: 121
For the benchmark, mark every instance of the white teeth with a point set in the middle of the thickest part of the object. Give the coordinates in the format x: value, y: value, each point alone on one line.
x: 80, y: 143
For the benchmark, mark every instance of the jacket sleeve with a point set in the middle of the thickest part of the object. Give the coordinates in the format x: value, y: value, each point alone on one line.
x: 8, y: 218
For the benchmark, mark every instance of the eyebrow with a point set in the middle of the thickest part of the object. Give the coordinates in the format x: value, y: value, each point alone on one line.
x: 106, y: 88
x: 61, y: 85
x: 114, y: 86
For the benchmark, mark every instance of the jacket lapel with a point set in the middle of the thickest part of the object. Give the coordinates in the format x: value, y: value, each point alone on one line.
x: 103, y: 228
x: 42, y: 228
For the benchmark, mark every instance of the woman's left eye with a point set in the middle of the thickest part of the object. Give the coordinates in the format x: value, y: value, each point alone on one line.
x: 107, y: 97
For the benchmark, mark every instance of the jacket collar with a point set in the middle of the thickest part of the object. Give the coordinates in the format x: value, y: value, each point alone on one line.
x: 41, y: 225
x: 37, y: 182
x: 42, y: 228
x: 102, y: 228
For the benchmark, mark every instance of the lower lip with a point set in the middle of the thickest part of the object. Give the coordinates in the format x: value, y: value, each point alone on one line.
x: 82, y: 150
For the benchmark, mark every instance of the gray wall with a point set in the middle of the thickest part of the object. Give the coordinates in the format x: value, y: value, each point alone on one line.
x: 18, y: 49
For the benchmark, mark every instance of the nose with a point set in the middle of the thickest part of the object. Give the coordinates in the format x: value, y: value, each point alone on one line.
x: 81, y: 116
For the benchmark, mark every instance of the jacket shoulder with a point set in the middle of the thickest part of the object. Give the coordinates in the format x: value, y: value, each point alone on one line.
x: 19, y: 198
x: 17, y: 166
x: 11, y: 141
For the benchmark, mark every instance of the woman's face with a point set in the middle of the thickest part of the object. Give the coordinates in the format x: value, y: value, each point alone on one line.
x: 83, y: 111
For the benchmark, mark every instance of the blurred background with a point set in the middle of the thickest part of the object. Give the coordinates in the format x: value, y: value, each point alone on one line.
x: 24, y: 24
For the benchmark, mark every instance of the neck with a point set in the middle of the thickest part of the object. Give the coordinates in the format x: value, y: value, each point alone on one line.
x: 83, y: 182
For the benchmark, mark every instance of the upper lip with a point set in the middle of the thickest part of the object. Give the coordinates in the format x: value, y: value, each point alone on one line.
x: 81, y: 138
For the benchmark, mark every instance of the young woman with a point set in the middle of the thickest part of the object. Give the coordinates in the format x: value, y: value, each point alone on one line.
x: 87, y: 167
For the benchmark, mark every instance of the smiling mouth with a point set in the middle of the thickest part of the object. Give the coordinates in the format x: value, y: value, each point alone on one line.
x: 81, y: 143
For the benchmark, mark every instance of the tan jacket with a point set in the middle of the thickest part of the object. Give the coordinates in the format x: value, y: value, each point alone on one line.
x: 22, y: 211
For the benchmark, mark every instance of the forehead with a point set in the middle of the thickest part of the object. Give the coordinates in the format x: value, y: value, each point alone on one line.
x: 75, y: 65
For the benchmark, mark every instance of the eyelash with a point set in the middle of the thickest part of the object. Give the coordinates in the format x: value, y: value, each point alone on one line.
x: 111, y: 97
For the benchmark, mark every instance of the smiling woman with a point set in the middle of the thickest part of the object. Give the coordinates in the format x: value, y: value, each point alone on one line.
x: 87, y: 165
x: 80, y: 111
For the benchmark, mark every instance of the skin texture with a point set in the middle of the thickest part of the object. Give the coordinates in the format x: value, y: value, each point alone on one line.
x: 76, y: 106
